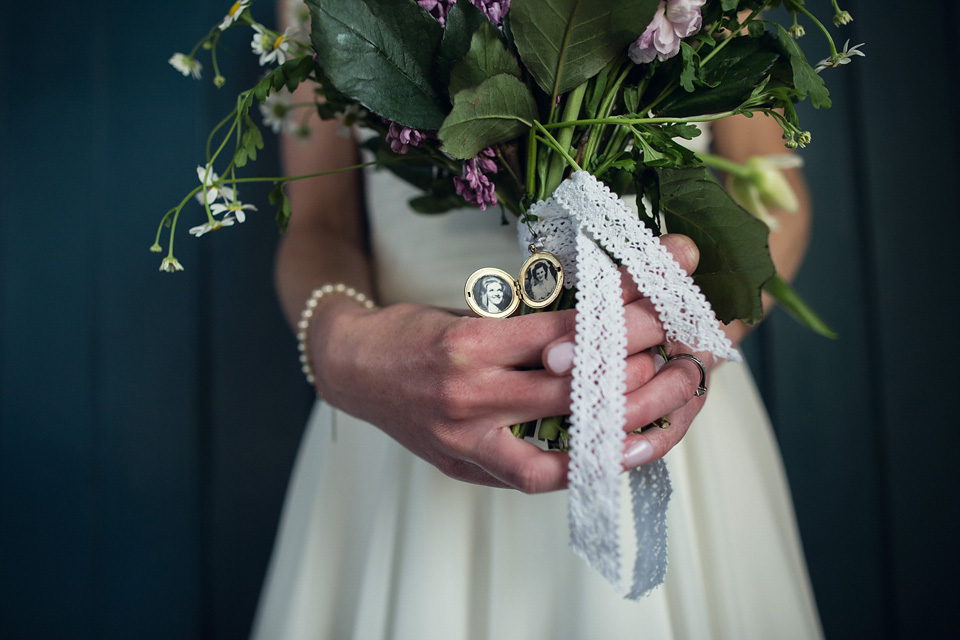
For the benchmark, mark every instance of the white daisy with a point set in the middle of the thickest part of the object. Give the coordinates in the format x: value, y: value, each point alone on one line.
x: 276, y: 111
x: 170, y: 264
x: 234, y: 14
x: 186, y: 65
x: 235, y: 208
x: 270, y: 49
x: 209, y: 180
x: 208, y: 226
x: 298, y: 16
x: 348, y: 117
x: 842, y: 57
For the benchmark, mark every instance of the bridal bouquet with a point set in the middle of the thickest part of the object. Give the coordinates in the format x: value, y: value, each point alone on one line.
x: 552, y: 110
x: 493, y: 102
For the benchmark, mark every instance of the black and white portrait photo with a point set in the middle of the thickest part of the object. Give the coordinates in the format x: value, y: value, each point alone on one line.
x: 541, y: 281
x: 492, y: 293
x: 542, y: 277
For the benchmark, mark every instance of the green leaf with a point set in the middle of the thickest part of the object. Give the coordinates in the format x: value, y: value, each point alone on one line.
x: 250, y: 142
x: 499, y: 109
x: 414, y: 167
x: 805, y: 80
x: 565, y: 42
x: 734, y: 257
x: 651, y: 157
x: 727, y: 79
x: 683, y: 130
x: 463, y: 20
x: 383, y: 54
x: 436, y: 204
x: 278, y: 196
x: 787, y: 298
x: 690, y: 62
x: 659, y: 147
x: 486, y: 58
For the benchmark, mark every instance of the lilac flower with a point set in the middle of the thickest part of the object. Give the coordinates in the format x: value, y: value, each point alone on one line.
x: 401, y: 138
x: 437, y: 8
x: 473, y: 184
x: 493, y: 9
x: 673, y: 21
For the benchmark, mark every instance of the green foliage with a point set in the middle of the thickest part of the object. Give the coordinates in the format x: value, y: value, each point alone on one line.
x: 734, y: 257
x: 432, y: 204
x: 383, y: 54
x: 690, y: 61
x: 725, y: 82
x: 486, y: 58
x: 463, y: 20
x: 290, y: 74
x: 278, y: 196
x: 497, y: 110
x: 805, y: 80
x: 565, y: 42
x: 793, y: 304
x: 250, y: 142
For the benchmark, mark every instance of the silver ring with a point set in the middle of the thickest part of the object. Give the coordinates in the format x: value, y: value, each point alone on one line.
x: 702, y: 389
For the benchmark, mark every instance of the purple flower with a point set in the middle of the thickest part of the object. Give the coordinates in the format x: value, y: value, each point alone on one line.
x: 673, y: 21
x: 493, y: 9
x: 401, y: 138
x: 473, y: 184
x: 437, y: 8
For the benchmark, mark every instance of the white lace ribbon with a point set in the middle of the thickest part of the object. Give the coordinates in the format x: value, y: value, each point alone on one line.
x: 581, y: 224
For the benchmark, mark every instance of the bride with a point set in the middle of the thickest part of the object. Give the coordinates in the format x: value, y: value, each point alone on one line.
x: 413, y: 512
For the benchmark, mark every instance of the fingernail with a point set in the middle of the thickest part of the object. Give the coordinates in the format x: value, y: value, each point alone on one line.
x: 560, y: 357
x: 639, y: 453
x: 658, y: 362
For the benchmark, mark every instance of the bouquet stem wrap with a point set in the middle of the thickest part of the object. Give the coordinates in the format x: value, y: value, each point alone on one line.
x: 581, y: 224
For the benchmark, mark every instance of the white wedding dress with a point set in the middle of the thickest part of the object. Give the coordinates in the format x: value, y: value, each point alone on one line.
x: 375, y: 543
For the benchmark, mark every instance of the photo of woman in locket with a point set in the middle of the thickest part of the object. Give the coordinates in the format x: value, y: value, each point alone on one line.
x: 493, y: 294
x: 540, y: 281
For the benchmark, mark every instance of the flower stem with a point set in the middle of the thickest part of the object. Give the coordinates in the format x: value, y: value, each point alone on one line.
x: 605, y: 108
x: 705, y: 59
x: 532, y: 163
x: 213, y: 54
x: 799, y: 7
x: 722, y: 164
x: 634, y: 120
x: 551, y: 142
x: 570, y: 110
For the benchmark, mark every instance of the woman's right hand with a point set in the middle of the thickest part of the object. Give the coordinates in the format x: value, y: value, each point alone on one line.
x: 449, y: 387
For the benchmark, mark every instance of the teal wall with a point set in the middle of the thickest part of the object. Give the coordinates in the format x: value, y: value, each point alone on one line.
x: 148, y: 422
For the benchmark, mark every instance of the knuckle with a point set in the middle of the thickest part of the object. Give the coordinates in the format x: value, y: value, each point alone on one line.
x: 640, y: 370
x: 457, y: 341
x: 644, y: 324
x: 530, y: 478
x: 454, y: 398
x: 688, y: 381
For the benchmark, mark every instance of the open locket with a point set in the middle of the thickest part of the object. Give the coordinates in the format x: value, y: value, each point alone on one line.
x: 493, y: 293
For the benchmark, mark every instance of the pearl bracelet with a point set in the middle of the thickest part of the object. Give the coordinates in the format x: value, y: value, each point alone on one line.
x: 303, y: 327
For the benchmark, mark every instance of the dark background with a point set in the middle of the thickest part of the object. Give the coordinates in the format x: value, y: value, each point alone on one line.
x: 148, y: 421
